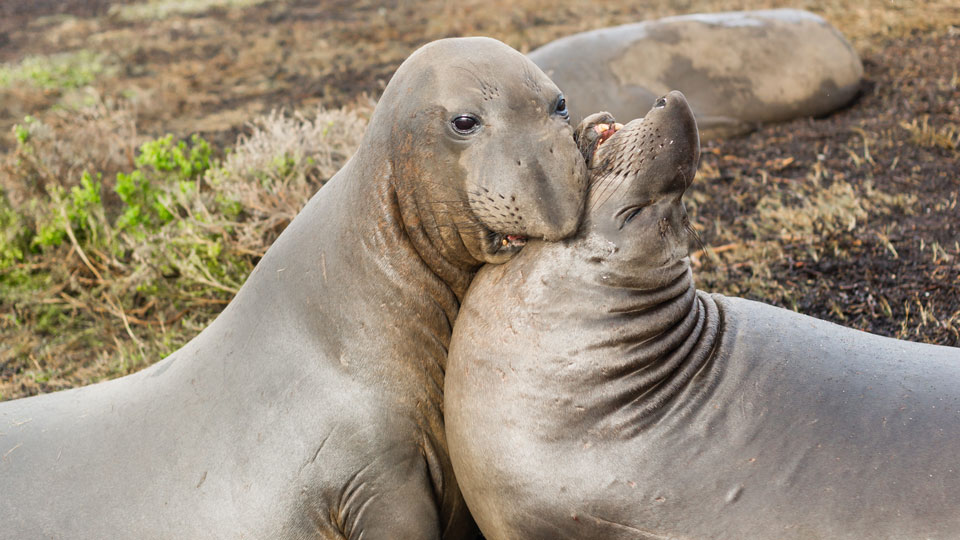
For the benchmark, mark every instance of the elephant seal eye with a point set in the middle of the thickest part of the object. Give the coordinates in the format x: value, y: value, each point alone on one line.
x: 561, y: 108
x: 466, y: 124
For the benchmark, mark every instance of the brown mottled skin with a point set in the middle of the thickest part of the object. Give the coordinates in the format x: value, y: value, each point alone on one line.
x: 737, y: 69
x: 593, y: 393
x: 312, y: 407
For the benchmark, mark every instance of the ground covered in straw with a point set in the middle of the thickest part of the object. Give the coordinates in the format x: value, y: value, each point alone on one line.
x: 150, y: 152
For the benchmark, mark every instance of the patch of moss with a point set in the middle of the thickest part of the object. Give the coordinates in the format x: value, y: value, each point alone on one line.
x: 55, y: 72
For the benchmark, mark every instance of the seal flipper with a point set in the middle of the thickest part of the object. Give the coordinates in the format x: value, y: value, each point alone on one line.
x: 403, y: 510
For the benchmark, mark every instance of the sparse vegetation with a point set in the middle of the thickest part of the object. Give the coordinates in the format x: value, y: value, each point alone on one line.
x: 844, y: 217
x: 112, y: 286
x: 923, y: 134
x: 60, y: 71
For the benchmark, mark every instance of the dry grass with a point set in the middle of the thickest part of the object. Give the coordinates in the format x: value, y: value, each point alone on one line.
x: 853, y: 218
x: 281, y: 164
x: 100, y: 137
x: 59, y: 71
x: 817, y: 219
x: 923, y: 134
x: 211, y: 71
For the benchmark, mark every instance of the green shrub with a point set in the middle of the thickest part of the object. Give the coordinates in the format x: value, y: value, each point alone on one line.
x: 80, y: 210
x: 21, y: 132
x: 160, y: 164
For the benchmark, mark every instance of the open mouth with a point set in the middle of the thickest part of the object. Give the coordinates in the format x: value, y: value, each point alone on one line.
x: 510, y: 241
x: 606, y: 131
x: 514, y: 240
x: 503, y: 245
x: 499, y: 244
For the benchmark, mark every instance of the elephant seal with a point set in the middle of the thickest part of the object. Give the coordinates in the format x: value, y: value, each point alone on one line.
x: 738, y: 69
x: 312, y: 406
x: 593, y: 393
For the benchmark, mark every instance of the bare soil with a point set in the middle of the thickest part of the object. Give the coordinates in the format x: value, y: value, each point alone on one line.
x: 888, y: 256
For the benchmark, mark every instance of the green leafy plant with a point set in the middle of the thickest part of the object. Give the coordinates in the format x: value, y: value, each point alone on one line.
x: 14, y: 237
x: 76, y: 212
x: 161, y: 162
x: 21, y: 132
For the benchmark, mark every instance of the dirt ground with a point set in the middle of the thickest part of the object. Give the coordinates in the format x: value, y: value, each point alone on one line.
x: 853, y: 218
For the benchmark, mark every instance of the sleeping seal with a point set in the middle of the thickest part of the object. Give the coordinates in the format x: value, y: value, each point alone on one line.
x: 593, y: 393
x: 738, y: 69
x: 312, y: 406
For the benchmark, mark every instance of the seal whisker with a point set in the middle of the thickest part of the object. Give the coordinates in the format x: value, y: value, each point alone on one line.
x: 458, y: 190
x: 692, y: 233
x: 470, y: 72
x: 444, y: 185
x: 604, y: 173
x: 455, y: 203
x: 486, y: 90
x: 610, y: 184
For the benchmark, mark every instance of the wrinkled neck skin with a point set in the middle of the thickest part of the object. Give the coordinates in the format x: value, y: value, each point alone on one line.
x: 433, y: 220
x: 404, y: 268
x: 428, y: 273
x: 651, y: 331
x: 647, y: 334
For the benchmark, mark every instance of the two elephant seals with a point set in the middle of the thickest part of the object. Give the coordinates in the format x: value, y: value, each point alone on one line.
x: 738, y: 69
x: 312, y: 406
x: 592, y: 392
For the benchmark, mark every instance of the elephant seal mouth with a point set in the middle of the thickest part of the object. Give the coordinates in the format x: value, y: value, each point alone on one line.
x: 504, y: 244
x: 605, y: 131
x: 500, y: 245
x: 662, y: 147
x: 513, y: 240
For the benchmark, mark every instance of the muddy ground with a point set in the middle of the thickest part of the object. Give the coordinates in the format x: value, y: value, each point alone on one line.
x: 853, y: 218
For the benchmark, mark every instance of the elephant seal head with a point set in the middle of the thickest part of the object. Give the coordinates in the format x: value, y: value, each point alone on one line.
x: 638, y: 175
x: 480, y: 151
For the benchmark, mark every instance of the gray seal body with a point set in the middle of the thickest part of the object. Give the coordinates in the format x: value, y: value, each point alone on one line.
x: 737, y: 69
x: 593, y: 393
x: 312, y: 406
